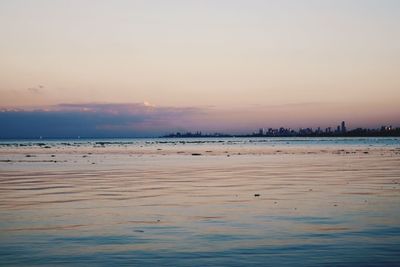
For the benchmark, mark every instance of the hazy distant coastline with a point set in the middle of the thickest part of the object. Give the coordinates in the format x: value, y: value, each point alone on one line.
x: 384, y: 131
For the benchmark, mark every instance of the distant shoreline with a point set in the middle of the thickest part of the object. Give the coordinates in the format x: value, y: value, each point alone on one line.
x: 353, y: 133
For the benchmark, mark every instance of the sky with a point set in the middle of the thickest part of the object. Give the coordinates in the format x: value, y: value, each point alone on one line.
x: 137, y: 68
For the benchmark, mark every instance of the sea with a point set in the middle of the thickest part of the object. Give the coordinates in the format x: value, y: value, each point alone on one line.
x: 200, y: 202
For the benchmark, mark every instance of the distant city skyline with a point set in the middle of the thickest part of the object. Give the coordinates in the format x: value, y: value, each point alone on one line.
x: 340, y: 131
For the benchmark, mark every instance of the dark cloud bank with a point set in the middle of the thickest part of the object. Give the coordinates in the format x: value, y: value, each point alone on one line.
x: 93, y: 120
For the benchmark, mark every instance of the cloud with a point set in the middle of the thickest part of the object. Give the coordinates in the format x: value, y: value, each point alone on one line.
x: 36, y: 89
x: 94, y: 120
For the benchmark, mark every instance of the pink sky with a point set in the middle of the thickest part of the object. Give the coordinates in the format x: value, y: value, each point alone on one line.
x: 244, y: 64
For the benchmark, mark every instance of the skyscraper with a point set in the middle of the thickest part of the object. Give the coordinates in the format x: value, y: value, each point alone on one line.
x: 343, y: 128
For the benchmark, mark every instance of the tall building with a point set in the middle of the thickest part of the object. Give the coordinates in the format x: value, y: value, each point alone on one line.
x: 343, y: 128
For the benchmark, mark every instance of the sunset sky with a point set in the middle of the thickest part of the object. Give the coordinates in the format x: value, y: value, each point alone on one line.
x: 150, y: 67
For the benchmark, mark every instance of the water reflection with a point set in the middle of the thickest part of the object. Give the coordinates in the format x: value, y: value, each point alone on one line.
x: 204, y: 211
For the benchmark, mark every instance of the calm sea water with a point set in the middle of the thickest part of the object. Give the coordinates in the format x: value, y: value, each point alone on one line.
x: 60, y: 205
x: 258, y: 141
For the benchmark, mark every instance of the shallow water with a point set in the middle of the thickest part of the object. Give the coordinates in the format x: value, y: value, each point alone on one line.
x: 175, y: 209
x: 236, y: 141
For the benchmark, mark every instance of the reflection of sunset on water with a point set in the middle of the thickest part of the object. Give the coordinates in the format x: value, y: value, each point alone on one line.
x: 154, y: 199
